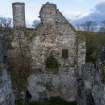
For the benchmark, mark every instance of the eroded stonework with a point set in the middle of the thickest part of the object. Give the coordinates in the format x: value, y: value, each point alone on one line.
x: 18, y: 14
x: 55, y: 37
x: 6, y: 92
x: 91, y: 90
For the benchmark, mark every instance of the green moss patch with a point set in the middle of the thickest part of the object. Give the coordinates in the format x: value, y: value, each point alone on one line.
x: 52, y: 64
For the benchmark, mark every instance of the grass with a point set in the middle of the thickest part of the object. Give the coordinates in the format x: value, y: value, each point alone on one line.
x: 53, y: 101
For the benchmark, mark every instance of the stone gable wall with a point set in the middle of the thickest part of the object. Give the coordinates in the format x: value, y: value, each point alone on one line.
x: 53, y: 35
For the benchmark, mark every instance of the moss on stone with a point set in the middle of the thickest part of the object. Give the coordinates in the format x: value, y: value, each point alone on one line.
x: 52, y: 64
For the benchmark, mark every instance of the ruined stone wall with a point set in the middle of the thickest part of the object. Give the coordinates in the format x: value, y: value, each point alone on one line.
x: 81, y: 52
x: 18, y: 14
x: 49, y: 14
x: 91, y: 90
x: 53, y: 36
x: 19, y: 55
x: 19, y: 42
x: 6, y: 92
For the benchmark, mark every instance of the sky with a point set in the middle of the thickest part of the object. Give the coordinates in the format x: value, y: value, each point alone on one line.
x: 71, y: 9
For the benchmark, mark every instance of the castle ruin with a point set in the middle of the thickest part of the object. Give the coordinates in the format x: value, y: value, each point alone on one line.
x: 56, y: 58
x: 57, y: 54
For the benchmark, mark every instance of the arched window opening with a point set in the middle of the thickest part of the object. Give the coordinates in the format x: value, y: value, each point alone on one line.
x: 52, y: 63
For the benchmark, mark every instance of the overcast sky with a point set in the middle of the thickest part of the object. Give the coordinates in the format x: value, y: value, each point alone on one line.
x: 72, y: 9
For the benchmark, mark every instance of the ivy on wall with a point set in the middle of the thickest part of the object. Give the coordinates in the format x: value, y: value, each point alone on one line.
x: 52, y: 64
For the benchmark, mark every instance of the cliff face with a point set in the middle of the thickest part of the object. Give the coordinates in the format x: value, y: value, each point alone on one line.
x: 56, y: 54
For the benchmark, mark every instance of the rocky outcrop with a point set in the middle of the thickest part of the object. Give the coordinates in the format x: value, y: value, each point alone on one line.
x: 6, y: 92
x: 43, y: 86
x: 91, y: 90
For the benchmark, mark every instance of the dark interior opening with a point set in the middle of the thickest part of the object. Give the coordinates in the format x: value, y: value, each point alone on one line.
x: 89, y: 99
x: 5, y: 59
x: 52, y: 63
x: 28, y: 96
x: 65, y: 53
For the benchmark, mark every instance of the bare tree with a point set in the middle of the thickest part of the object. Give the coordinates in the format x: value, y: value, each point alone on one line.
x: 103, y: 23
x: 35, y: 23
x: 89, y: 26
x: 102, y: 28
x: 78, y: 27
x: 5, y: 22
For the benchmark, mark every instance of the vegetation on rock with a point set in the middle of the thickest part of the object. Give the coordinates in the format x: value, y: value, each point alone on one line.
x: 52, y: 64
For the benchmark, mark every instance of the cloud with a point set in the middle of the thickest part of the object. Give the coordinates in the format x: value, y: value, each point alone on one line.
x: 100, y: 0
x: 98, y: 11
x: 100, y: 7
x: 97, y: 14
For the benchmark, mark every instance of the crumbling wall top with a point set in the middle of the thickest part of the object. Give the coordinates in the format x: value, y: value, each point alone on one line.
x: 18, y: 14
x: 48, y: 12
x: 18, y: 3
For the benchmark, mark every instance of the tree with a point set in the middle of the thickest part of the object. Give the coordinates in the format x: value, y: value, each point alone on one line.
x: 35, y: 23
x: 103, y: 23
x: 78, y: 27
x: 5, y: 22
x: 102, y: 29
x: 89, y: 26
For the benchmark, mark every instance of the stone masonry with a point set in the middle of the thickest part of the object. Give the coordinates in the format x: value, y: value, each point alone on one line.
x: 58, y: 67
x: 91, y: 89
x: 6, y: 92
x: 19, y: 56
x: 55, y: 37
x: 19, y: 43
x: 18, y: 14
